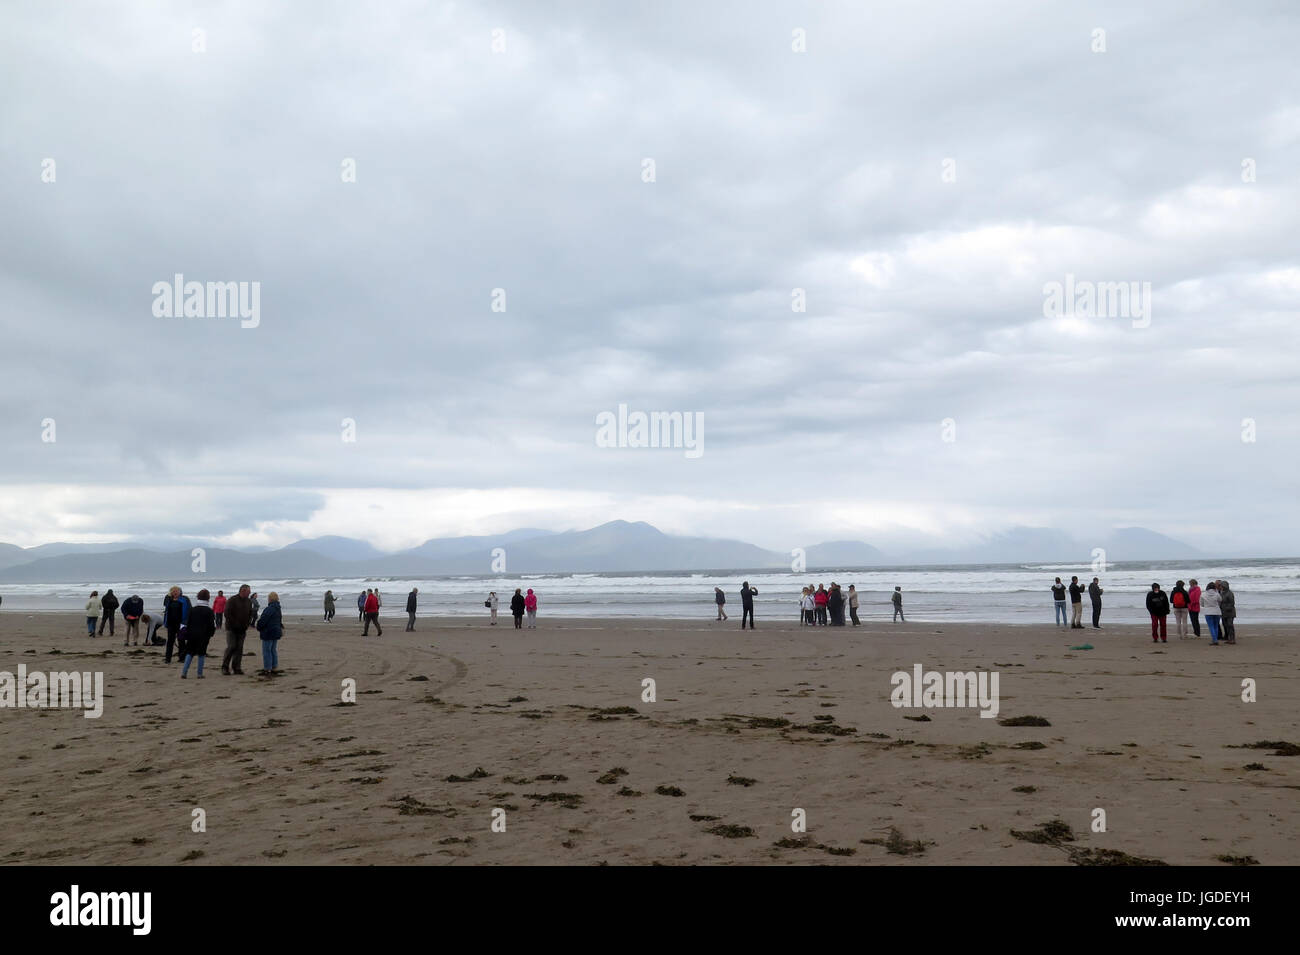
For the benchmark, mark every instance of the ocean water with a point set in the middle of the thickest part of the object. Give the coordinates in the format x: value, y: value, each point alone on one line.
x: 1268, y: 591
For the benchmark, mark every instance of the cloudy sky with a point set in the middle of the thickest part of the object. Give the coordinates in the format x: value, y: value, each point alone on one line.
x: 921, y: 171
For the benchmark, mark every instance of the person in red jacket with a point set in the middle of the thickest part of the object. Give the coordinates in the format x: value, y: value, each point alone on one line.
x: 219, y: 606
x: 820, y: 598
x: 372, y: 614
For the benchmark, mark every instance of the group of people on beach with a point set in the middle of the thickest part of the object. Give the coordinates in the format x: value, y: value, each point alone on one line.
x: 191, y: 624
x: 1186, y: 602
x: 819, y: 606
x: 369, y: 601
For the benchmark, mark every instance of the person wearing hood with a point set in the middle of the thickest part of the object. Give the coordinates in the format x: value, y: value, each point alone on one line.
x: 835, y: 605
x: 410, y: 609
x: 93, y: 609
x: 329, y: 606
x: 720, y: 599
x: 1094, y: 594
x: 530, y: 607
x: 1158, y: 607
x: 178, y: 615
x: 218, y: 607
x: 1179, y: 600
x: 109, y: 605
x: 202, y: 625
x: 132, y: 611
x: 1210, y: 605
x: 271, y: 626
x: 517, y: 608
x: 1228, y: 612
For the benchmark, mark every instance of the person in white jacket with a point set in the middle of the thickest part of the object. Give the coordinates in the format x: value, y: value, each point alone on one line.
x: 92, y: 612
x: 809, y: 606
x: 1210, y: 610
x: 492, y: 606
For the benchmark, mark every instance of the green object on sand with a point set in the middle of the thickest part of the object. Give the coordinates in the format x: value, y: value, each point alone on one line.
x: 1083, y: 646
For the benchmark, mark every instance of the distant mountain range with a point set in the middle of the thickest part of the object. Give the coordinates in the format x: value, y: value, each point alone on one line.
x: 618, y: 546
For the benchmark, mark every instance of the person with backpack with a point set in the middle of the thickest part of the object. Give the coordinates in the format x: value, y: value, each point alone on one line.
x: 1210, y: 606
x: 372, y: 615
x: 747, y: 595
x: 109, y: 606
x: 1058, y: 597
x: 1094, y: 594
x: 1194, y: 606
x: 1158, y: 607
x: 1076, y: 604
x: 410, y: 609
x: 1228, y: 612
x: 132, y: 611
x: 530, y: 607
x: 202, y: 625
x: 93, y: 610
x: 720, y: 599
x: 517, y: 608
x: 1179, y: 600
x: 271, y: 626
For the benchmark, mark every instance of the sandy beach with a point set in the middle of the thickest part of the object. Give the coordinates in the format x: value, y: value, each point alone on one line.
x: 458, y: 718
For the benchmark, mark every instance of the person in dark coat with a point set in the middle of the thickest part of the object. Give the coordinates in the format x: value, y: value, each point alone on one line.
x: 720, y: 599
x: 747, y: 595
x: 132, y: 611
x: 109, y: 605
x: 202, y: 625
x: 1158, y: 607
x: 835, y: 604
x: 410, y: 609
x: 178, y: 613
x: 517, y: 609
x: 1228, y: 612
x: 1094, y: 594
x: 239, y: 614
x: 271, y: 627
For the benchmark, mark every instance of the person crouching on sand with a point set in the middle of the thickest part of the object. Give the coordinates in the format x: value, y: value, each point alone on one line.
x: 271, y: 627
x: 92, y: 612
x: 517, y: 608
x: 720, y: 599
x: 530, y: 607
x: 1158, y: 607
x: 202, y: 625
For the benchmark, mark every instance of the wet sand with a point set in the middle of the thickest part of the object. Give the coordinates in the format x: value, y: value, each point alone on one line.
x: 555, y: 720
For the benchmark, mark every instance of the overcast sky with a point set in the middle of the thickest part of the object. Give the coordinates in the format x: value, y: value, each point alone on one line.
x: 523, y: 169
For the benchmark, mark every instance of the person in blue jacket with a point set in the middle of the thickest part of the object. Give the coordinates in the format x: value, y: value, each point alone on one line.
x: 271, y: 627
x: 177, y: 611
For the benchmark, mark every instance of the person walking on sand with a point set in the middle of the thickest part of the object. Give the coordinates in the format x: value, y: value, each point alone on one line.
x: 1179, y: 600
x: 1058, y: 597
x: 1158, y: 607
x: 1076, y: 604
x: 271, y: 626
x: 239, y: 616
x: 747, y: 595
x: 178, y: 615
x: 202, y: 625
x: 93, y: 609
x: 853, y: 605
x: 517, y: 608
x: 530, y: 607
x: 108, y: 604
x: 218, y: 608
x: 1210, y: 604
x: 720, y: 599
x: 132, y: 610
x: 897, y: 599
x: 1094, y: 594
x: 492, y: 605
x: 1228, y: 613
x: 1194, y: 606
x: 361, y: 605
x: 410, y: 609
x: 372, y: 615
x: 329, y: 607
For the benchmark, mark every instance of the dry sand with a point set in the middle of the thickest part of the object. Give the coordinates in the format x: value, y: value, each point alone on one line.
x: 286, y: 774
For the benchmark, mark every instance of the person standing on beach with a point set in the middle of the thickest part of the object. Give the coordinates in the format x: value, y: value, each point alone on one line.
x: 202, y: 625
x: 853, y: 605
x: 835, y: 605
x: 109, y: 606
x: 218, y: 608
x: 1178, y: 599
x: 530, y: 607
x: 747, y: 595
x: 1094, y: 594
x: 820, y: 598
x: 1228, y: 612
x: 1076, y: 604
x: 239, y: 614
x: 1158, y: 607
x: 492, y: 605
x: 132, y: 610
x: 410, y: 609
x: 271, y: 626
x: 257, y: 606
x: 808, y: 607
x: 329, y: 606
x: 93, y: 609
x: 372, y: 615
x: 720, y: 599
x: 1194, y: 606
x: 1210, y: 604
x: 1058, y: 597
x: 178, y: 615
x: 361, y: 605
x: 517, y: 608
x: 897, y: 599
